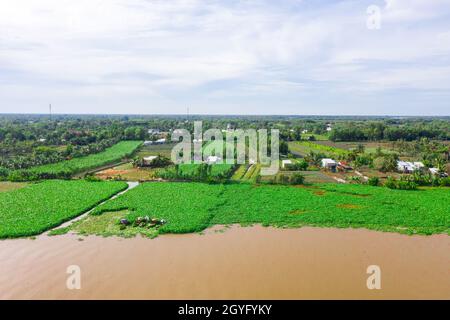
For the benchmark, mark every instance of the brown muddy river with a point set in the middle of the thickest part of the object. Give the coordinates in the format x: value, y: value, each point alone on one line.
x: 240, y: 263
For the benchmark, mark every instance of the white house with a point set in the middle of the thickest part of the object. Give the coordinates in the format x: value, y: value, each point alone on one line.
x: 406, y: 166
x: 329, y: 164
x: 285, y: 163
x: 213, y: 159
x: 153, y: 131
x: 148, y: 142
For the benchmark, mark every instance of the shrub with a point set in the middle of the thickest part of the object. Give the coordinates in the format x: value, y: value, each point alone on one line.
x: 302, y: 165
x: 297, y: 178
x: 406, y: 185
x: 3, y: 173
x: 373, y: 181
x: 91, y: 178
x: 390, y: 183
x: 403, y: 184
x: 445, y: 182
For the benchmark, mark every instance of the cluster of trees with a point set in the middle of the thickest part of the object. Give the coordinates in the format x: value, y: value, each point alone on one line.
x: 40, y: 155
x: 386, y: 130
x: 202, y: 173
x: 159, y: 162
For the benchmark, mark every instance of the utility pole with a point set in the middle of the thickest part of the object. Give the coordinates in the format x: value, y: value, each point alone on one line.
x: 50, y: 110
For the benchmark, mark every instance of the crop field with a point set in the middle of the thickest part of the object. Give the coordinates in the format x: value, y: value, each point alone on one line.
x: 318, y: 137
x: 76, y: 165
x: 370, y: 146
x: 191, y: 207
x: 156, y: 149
x: 305, y: 147
x: 41, y: 206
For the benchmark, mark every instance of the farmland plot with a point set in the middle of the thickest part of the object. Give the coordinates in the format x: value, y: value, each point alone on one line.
x: 190, y: 207
x: 67, y: 168
x: 38, y: 207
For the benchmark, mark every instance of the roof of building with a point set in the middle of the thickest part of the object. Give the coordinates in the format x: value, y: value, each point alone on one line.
x: 328, y: 161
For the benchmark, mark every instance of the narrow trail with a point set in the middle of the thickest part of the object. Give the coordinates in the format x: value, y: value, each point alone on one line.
x: 131, y: 185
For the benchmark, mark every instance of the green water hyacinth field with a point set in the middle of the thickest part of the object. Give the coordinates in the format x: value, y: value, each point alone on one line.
x: 192, y: 207
x: 67, y: 168
x: 41, y: 206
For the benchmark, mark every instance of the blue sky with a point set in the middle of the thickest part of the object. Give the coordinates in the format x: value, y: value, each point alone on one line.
x: 225, y: 57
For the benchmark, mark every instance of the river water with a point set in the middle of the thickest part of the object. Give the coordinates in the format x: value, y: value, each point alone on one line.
x: 239, y: 263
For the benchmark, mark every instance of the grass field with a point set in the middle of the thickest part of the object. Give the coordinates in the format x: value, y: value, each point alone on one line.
x: 303, y: 148
x: 38, y: 207
x: 76, y: 165
x: 318, y: 137
x: 370, y: 146
x: 156, y: 149
x: 191, y: 207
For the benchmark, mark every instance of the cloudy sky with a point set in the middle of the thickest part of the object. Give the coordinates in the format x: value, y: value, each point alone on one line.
x: 225, y: 57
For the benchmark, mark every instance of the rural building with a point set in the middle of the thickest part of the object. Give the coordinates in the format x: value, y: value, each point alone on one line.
x: 329, y: 164
x: 153, y: 131
x: 213, y: 159
x: 159, y: 141
x: 408, y: 167
x: 286, y: 163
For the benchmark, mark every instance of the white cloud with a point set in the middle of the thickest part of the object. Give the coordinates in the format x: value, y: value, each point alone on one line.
x: 169, y: 50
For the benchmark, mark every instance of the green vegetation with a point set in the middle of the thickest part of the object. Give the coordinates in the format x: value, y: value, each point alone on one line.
x: 252, y: 173
x: 66, y: 169
x: 41, y: 206
x: 314, y: 137
x: 191, y: 207
x: 304, y: 147
x: 107, y: 224
x: 240, y: 172
x: 197, y: 172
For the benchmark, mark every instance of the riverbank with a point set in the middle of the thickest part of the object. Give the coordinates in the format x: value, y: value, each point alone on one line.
x: 229, y: 263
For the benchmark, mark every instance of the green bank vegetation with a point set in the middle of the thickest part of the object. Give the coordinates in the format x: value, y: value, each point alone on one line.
x: 41, y: 206
x: 192, y: 207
